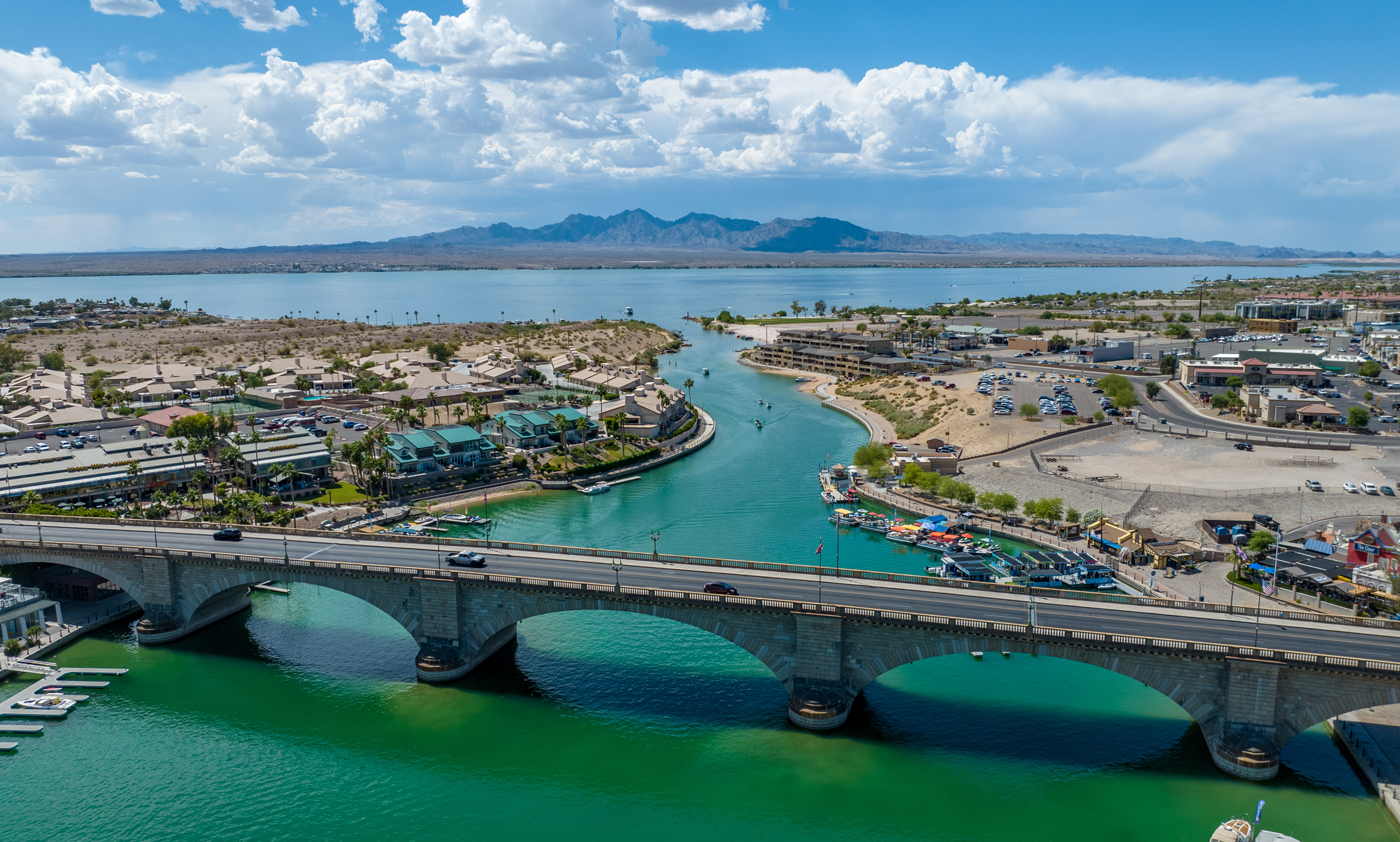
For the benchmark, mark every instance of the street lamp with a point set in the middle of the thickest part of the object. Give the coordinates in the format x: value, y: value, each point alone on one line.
x: 655, y: 536
x: 286, y: 559
x: 617, y: 575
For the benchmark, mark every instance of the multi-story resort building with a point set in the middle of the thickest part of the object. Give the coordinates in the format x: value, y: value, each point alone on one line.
x: 261, y: 460
x: 847, y: 355
x: 438, y: 453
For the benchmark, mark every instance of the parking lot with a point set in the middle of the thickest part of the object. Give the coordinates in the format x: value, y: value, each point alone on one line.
x: 1037, y: 388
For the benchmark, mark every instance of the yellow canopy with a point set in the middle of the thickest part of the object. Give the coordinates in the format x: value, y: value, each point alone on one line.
x: 843, y: 511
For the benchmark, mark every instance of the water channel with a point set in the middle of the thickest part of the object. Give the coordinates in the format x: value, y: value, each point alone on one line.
x: 301, y: 718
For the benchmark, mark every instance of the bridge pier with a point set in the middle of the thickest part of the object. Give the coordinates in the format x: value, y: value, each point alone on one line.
x: 817, y: 697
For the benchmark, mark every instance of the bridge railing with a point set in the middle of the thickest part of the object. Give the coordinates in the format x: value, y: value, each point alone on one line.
x: 434, y: 542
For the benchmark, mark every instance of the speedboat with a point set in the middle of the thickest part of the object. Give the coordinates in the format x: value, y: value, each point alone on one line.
x: 875, y: 525
x: 47, y: 703
x: 596, y: 488
x: 769, y: 405
x: 705, y: 371
x: 455, y: 518
x: 902, y: 536
x: 757, y: 423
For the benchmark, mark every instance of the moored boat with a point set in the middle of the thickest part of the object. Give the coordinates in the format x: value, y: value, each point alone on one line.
x: 878, y: 524
x: 47, y: 703
x: 596, y: 488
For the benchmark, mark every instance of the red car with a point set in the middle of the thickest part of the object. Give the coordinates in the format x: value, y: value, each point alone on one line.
x: 721, y: 588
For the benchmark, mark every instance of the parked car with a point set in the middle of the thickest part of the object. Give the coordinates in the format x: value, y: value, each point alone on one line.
x: 720, y: 588
x: 1370, y: 488
x: 349, y: 425
x: 466, y: 558
x: 360, y: 428
x: 228, y: 534
x: 62, y: 433
x: 40, y: 434
x: 1350, y: 488
x: 1267, y: 522
x: 1387, y: 491
x: 1244, y: 445
x: 1313, y: 485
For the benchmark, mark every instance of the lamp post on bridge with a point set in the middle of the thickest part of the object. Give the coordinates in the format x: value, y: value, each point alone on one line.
x: 617, y: 575
x: 655, y: 536
x: 286, y: 558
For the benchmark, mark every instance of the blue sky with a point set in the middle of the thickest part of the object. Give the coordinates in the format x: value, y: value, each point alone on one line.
x: 240, y: 122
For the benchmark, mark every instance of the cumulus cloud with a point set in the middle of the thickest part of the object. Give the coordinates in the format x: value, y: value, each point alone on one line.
x: 257, y: 15
x: 93, y: 115
x: 367, y: 14
x: 709, y: 15
x: 134, y: 174
x: 476, y: 43
x: 512, y: 95
x: 138, y: 8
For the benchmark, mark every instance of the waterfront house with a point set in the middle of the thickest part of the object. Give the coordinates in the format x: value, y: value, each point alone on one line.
x: 532, y: 429
x: 21, y: 608
x: 646, y: 413
x: 437, y: 452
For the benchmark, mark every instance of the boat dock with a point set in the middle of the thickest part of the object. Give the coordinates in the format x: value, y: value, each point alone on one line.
x: 54, y: 676
x: 578, y: 486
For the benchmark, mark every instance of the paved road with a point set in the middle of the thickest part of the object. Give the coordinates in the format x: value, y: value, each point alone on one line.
x: 1115, y: 619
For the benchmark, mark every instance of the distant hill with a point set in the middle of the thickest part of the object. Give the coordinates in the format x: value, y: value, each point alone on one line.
x: 707, y: 232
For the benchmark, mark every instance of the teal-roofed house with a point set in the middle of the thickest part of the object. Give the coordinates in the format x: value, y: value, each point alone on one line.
x: 452, y: 449
x: 531, y: 429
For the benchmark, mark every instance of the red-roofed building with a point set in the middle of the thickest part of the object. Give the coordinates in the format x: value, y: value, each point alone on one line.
x: 1375, y: 545
x: 160, y: 420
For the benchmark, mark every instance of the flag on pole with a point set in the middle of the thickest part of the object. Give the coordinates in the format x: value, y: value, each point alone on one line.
x: 1269, y: 588
x: 820, y: 544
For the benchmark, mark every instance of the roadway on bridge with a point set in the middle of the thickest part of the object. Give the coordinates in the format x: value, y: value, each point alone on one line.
x: 891, y: 596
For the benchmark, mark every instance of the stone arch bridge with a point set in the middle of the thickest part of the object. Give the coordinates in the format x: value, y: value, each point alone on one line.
x: 1248, y: 701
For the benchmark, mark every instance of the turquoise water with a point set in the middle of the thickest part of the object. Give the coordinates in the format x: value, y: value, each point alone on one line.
x: 301, y: 718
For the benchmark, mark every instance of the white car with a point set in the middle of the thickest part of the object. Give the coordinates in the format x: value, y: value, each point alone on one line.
x: 1370, y: 488
x: 1350, y: 488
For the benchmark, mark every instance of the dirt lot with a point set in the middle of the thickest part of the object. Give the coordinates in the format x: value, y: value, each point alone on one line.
x: 1216, y: 464
x: 235, y: 342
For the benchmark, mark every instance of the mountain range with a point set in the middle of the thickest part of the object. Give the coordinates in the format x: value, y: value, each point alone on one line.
x: 637, y: 229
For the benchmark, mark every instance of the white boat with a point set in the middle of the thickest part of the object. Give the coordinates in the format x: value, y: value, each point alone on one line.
x: 455, y: 518
x: 627, y: 310
x: 596, y: 488
x: 902, y: 536
x: 47, y: 703
x: 705, y: 371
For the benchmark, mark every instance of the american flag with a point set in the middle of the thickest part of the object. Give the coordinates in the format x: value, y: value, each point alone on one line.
x: 1269, y: 588
x: 820, y: 544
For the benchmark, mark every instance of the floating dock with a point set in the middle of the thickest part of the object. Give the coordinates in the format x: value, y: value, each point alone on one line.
x: 53, y: 676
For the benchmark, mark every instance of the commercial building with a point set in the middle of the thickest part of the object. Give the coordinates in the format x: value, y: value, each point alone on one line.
x: 1253, y: 372
x: 847, y: 355
x: 22, y: 608
x: 1214, y: 331
x: 96, y: 470
x: 1290, y: 309
x: 1272, y: 325
x: 1281, y: 404
x: 1106, y: 350
x: 1273, y: 356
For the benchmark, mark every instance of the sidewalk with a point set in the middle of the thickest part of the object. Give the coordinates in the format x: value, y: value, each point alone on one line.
x: 1372, y: 737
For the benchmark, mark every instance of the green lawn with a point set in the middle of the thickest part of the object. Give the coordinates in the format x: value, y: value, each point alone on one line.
x: 343, y: 492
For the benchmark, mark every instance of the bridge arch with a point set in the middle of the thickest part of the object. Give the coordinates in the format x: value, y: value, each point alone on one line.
x: 1196, y: 686
x: 761, y: 635
x: 205, y: 589
x: 118, y: 573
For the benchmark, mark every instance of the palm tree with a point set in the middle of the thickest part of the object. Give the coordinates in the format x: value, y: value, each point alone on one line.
x: 562, y: 424
x: 458, y: 412
x: 688, y: 384
x: 423, y: 415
